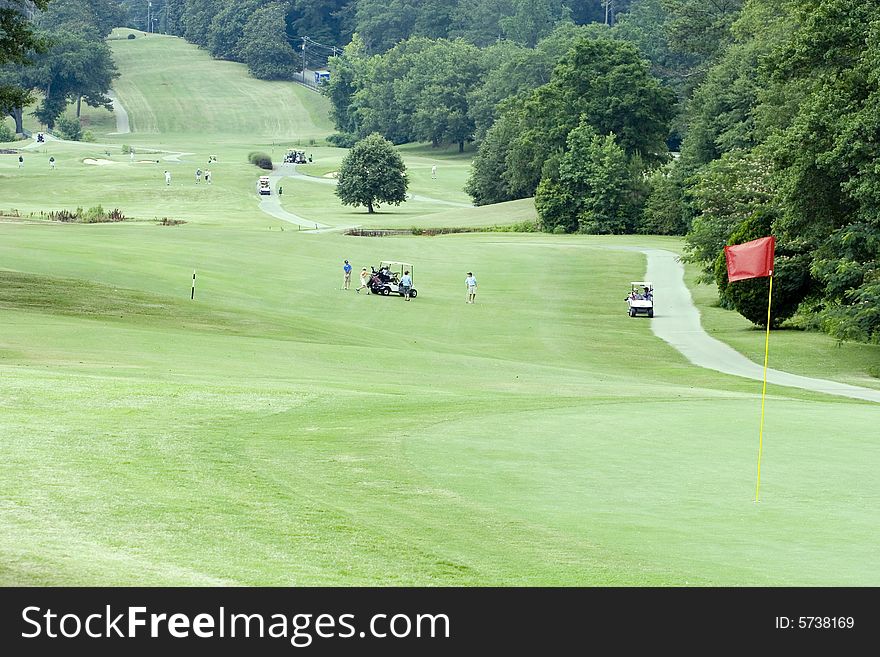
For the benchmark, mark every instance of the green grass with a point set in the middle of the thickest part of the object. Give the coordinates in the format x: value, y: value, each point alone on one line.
x: 277, y: 430
x: 805, y: 352
x: 171, y: 87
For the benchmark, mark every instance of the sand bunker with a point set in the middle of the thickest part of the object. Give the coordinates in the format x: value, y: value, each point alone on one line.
x: 332, y: 174
x: 99, y: 162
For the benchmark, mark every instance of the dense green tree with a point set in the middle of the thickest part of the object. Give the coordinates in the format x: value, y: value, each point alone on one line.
x: 827, y: 155
x: 488, y: 183
x: 348, y: 70
x: 436, y: 89
x: 600, y: 81
x: 646, y: 26
x: 196, y: 20
x: 17, y: 41
x: 532, y: 20
x: 512, y: 69
x: 372, y: 173
x: 264, y: 46
x: 725, y: 194
x: 17, y: 38
x: 384, y: 23
x: 792, y: 282
x: 227, y: 26
x: 417, y: 91
x: 667, y: 209
x: 73, y: 67
x: 94, y: 19
x: 379, y: 102
x: 322, y: 20
x: 479, y: 21
x: 593, y: 189
x: 701, y: 27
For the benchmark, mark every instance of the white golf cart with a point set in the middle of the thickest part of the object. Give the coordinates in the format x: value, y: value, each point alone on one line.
x: 641, y: 298
x: 386, y: 280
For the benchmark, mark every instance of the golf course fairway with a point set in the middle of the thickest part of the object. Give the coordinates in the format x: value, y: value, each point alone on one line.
x: 278, y: 430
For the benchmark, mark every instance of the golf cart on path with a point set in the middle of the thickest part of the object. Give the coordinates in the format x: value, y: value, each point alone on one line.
x: 386, y: 280
x: 641, y: 298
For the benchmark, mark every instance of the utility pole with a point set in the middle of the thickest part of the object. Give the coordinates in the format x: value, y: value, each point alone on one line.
x: 607, y: 4
x: 304, y: 60
x: 149, y: 17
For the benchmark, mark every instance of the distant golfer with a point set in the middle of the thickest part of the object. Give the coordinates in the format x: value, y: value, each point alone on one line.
x: 364, y: 278
x: 20, y: 162
x: 208, y: 177
x: 346, y: 280
x: 52, y: 162
x: 406, y: 284
x: 471, y: 283
x: 434, y: 171
x: 198, y: 176
x: 131, y: 155
x: 280, y: 190
x: 167, y: 177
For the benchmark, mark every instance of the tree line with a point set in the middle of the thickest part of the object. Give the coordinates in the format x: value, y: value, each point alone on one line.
x: 266, y: 35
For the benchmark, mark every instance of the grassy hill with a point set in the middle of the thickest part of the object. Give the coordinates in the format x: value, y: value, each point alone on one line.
x: 171, y: 87
x: 278, y: 430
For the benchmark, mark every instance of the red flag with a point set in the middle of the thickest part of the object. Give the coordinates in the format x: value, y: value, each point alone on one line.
x: 750, y: 260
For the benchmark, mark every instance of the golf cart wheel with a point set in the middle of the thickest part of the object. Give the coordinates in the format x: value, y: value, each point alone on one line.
x: 413, y: 294
x: 650, y: 312
x: 386, y: 291
x: 632, y: 312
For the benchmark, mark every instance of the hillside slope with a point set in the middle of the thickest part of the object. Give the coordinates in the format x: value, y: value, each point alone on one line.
x: 169, y: 86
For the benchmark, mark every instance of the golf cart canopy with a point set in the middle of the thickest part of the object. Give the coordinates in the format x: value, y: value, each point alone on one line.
x: 646, y: 284
x: 393, y: 264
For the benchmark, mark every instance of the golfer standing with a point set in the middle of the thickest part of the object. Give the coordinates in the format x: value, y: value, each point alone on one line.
x: 167, y: 177
x: 434, y: 171
x: 364, y: 278
x: 406, y: 284
x: 471, y: 283
x: 346, y: 280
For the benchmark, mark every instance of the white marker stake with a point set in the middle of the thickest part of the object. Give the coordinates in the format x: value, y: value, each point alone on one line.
x: 193, y: 293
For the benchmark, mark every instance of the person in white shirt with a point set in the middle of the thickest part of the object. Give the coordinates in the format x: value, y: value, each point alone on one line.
x: 471, y: 283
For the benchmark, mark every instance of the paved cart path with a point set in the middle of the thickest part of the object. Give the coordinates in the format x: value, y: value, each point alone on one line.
x: 677, y: 321
x: 122, y: 126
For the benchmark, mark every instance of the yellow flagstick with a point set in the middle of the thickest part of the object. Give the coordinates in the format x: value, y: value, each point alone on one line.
x: 764, y: 389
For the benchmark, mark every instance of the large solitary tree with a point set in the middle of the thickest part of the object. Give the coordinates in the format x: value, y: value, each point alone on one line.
x: 373, y: 172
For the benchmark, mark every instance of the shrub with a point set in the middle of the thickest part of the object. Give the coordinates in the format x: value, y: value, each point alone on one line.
x: 526, y: 226
x: 69, y: 128
x: 792, y: 283
x: 126, y: 149
x: 94, y: 215
x: 343, y: 139
x: 6, y: 133
x: 88, y: 135
x: 65, y: 216
x: 171, y: 222
x: 261, y: 160
x: 130, y: 36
